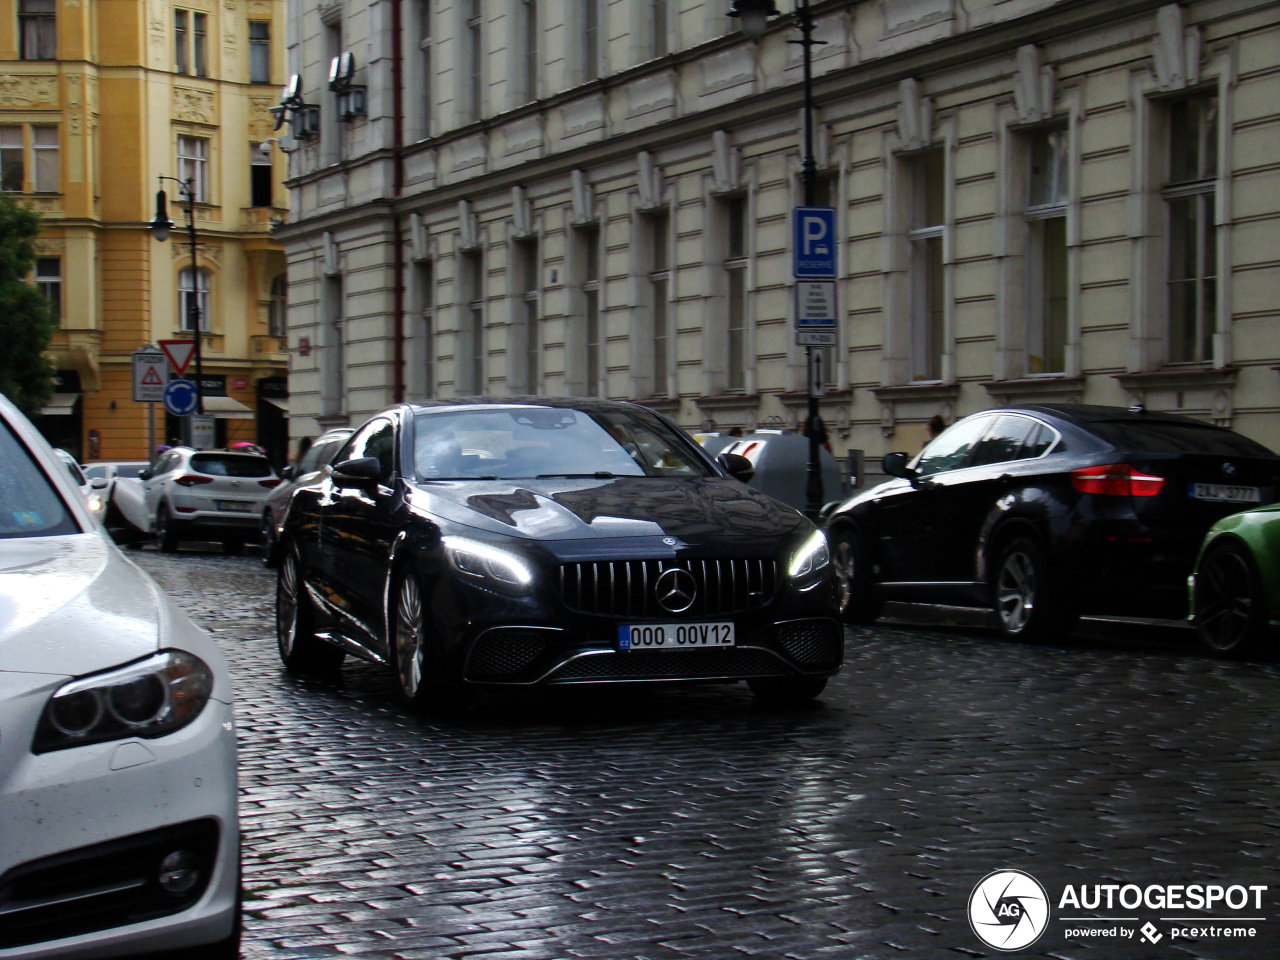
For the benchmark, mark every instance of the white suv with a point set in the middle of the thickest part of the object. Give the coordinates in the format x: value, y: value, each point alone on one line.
x: 207, y: 495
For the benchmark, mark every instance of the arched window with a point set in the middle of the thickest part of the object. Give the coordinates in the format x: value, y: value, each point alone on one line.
x: 277, y: 312
x: 193, y: 285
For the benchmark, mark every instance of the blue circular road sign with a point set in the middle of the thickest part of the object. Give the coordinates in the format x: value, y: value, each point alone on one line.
x: 180, y: 397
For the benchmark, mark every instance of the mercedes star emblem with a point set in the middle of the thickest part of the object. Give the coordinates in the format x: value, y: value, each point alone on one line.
x: 675, y: 590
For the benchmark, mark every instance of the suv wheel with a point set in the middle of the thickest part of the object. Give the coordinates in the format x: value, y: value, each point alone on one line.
x: 1027, y: 604
x: 1231, y: 608
x: 166, y: 530
x: 855, y: 590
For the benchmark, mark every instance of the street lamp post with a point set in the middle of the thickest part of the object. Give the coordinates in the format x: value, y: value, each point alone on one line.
x: 160, y: 228
x: 753, y: 17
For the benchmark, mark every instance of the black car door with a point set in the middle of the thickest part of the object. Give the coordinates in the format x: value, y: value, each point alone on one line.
x: 917, y: 525
x: 360, y: 528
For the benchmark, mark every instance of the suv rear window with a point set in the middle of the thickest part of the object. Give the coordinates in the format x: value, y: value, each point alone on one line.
x: 230, y: 465
x: 29, y: 503
x: 1163, y: 436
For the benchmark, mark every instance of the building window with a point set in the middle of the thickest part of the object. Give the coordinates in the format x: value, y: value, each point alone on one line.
x: 926, y: 185
x: 659, y: 294
x: 199, y: 44
x: 528, y: 272
x: 12, y: 154
x: 735, y: 266
x: 259, y: 51
x: 1190, y: 198
x: 531, y: 51
x: 190, y: 42
x: 472, y: 63
x: 261, y: 175
x: 333, y: 365
x: 660, y: 27
x: 193, y: 166
x: 425, y: 78
x: 181, y: 41
x: 38, y: 29
x: 193, y: 293
x: 44, y: 145
x: 1047, y: 252
x: 470, y: 353
x: 592, y: 40
x: 49, y: 282
x: 421, y: 381
x: 278, y: 307
x: 589, y: 256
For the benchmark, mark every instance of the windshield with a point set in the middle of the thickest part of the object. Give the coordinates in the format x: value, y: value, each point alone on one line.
x: 29, y: 504
x: 516, y: 443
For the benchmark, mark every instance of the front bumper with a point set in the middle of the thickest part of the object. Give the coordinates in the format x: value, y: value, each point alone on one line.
x: 80, y: 829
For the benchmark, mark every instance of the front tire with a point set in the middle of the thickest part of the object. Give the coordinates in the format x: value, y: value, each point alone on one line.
x: 270, y: 542
x: 414, y: 657
x: 1231, y: 607
x: 301, y: 649
x: 855, y: 590
x: 786, y: 691
x: 1027, y: 604
x: 166, y: 530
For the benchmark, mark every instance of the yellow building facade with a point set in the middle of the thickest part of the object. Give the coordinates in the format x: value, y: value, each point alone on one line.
x: 98, y: 100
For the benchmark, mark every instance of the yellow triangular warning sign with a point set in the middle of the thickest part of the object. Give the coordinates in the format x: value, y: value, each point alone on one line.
x: 152, y: 378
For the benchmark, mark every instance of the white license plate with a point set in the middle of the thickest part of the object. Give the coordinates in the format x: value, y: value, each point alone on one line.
x: 674, y: 636
x: 1226, y: 493
x: 238, y: 506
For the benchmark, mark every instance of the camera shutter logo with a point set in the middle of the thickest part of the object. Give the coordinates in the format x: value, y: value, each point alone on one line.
x: 1008, y: 910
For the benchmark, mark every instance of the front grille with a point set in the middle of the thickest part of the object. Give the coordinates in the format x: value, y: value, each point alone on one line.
x: 505, y: 652
x: 671, y: 665
x: 625, y: 588
x: 811, y: 643
x: 96, y: 888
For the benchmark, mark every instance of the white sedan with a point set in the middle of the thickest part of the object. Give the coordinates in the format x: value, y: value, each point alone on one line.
x: 118, y: 827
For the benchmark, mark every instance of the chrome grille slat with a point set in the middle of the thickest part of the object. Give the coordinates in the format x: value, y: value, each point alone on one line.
x: 624, y: 588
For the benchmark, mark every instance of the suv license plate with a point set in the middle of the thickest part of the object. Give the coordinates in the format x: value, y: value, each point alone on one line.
x: 239, y: 506
x: 1226, y: 492
x: 674, y: 636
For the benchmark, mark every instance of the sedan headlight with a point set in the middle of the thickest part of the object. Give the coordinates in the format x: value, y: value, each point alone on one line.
x: 496, y: 568
x: 809, y: 563
x: 151, y: 698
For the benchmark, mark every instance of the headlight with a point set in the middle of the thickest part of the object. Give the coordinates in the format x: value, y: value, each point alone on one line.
x: 150, y: 698
x: 809, y: 563
x: 498, y: 568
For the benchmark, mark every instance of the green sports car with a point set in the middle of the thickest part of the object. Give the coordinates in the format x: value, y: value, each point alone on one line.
x: 1235, y: 587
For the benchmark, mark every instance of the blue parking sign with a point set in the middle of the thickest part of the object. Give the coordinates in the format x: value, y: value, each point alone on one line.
x: 814, y: 243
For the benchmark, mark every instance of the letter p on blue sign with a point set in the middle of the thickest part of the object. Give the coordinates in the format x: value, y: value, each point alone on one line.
x: 814, y: 243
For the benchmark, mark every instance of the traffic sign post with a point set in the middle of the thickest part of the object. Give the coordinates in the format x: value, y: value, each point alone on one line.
x: 818, y: 373
x: 150, y: 374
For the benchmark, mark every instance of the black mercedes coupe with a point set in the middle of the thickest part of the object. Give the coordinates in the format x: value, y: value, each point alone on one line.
x: 526, y: 541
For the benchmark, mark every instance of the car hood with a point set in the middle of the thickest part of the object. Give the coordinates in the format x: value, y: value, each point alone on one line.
x: 575, y: 509
x: 73, y: 605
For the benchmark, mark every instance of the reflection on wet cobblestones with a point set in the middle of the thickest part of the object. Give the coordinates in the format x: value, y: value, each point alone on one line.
x: 690, y: 823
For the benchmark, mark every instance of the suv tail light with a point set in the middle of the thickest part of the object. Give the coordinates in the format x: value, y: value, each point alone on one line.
x: 273, y: 482
x: 192, y: 479
x: 1116, y: 479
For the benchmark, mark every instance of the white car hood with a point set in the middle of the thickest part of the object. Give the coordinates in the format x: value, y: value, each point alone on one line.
x: 73, y: 605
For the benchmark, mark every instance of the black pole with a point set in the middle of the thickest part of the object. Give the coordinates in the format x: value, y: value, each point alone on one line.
x: 809, y: 174
x: 193, y: 306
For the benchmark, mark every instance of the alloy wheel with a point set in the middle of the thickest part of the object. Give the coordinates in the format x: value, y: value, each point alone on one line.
x: 1225, y: 601
x: 1016, y: 591
x: 409, y: 638
x: 845, y: 566
x: 287, y: 605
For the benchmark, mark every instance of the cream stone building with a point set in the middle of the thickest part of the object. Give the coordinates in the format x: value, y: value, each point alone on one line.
x: 98, y: 98
x: 1036, y: 201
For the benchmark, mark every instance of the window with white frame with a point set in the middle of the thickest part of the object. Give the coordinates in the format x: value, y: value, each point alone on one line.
x: 44, y: 150
x: 193, y: 166
x: 421, y: 381
x: 1046, y: 215
x: 37, y: 29
x: 259, y: 51
x: 1191, y: 202
x: 734, y: 213
x: 13, y: 170
x: 193, y: 294
x: 470, y: 352
x: 278, y: 307
x: 659, y: 229
x: 926, y: 185
x: 29, y: 152
x: 49, y: 283
x: 261, y: 177
x: 588, y: 256
x: 191, y: 42
x: 526, y: 276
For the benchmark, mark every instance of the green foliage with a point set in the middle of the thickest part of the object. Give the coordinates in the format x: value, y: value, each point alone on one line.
x: 26, y: 322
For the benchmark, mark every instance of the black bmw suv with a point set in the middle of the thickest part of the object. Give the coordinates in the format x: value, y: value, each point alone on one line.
x: 1045, y: 512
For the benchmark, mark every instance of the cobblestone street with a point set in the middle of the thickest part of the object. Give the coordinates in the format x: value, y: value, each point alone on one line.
x: 690, y: 823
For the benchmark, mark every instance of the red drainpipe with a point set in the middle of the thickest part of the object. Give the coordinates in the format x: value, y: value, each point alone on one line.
x: 397, y: 127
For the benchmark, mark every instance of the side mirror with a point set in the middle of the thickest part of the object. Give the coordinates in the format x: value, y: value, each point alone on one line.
x: 895, y: 465
x: 99, y: 483
x: 364, y: 473
x: 737, y: 466
x: 288, y: 472
x: 145, y: 474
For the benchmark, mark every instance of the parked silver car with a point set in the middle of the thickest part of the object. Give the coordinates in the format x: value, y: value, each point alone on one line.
x: 206, y: 495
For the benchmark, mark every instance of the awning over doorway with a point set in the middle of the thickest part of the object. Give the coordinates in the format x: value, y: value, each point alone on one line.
x: 225, y: 408
x: 281, y: 402
x: 60, y: 404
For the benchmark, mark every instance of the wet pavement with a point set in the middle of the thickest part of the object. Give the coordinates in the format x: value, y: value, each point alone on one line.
x: 686, y: 823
